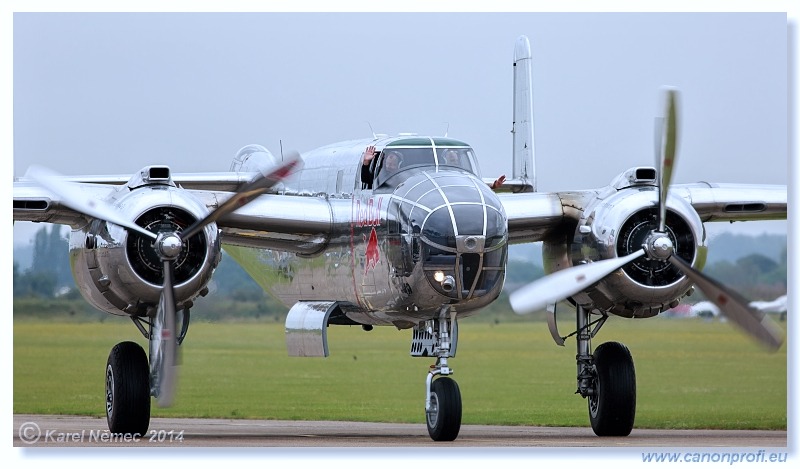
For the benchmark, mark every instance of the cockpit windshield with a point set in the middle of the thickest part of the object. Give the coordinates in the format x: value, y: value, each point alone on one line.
x: 457, y: 157
x: 396, y: 159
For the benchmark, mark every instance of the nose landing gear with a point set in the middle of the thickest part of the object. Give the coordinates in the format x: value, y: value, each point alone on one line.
x: 439, y: 338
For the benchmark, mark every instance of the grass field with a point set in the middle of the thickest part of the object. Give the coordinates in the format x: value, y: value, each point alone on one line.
x: 690, y: 374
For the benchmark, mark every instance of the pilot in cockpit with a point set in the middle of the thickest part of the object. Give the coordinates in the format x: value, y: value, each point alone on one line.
x: 391, y: 163
x: 451, y: 158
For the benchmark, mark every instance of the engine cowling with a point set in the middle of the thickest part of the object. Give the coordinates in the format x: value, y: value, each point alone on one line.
x: 618, y: 223
x: 119, y: 272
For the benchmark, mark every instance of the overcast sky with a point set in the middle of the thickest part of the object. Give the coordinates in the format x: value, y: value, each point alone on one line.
x: 113, y: 92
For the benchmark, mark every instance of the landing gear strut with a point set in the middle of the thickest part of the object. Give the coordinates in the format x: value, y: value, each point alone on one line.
x: 439, y: 338
x: 607, y: 379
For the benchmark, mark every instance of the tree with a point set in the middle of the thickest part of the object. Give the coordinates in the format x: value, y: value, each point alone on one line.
x: 33, y: 284
x: 757, y: 264
x: 755, y: 276
x: 519, y: 273
x: 778, y: 275
x: 50, y: 268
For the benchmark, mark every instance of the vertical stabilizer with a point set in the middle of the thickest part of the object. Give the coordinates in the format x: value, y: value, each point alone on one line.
x: 524, y: 170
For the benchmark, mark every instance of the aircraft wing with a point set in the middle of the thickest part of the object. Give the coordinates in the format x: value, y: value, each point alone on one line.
x: 294, y: 223
x: 735, y: 202
x: 219, y: 181
x: 537, y: 216
x: 778, y: 305
x: 300, y: 223
x: 34, y: 203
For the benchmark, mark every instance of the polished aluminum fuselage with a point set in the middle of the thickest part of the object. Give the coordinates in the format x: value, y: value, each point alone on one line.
x: 362, y: 255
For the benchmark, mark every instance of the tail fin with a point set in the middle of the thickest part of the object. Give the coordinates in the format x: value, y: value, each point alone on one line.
x: 524, y: 170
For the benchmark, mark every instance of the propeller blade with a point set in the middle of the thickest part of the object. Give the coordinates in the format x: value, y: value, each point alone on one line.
x: 668, y: 153
x: 246, y: 193
x: 565, y: 283
x: 163, y: 355
x: 658, y: 132
x: 734, y: 307
x: 75, y: 199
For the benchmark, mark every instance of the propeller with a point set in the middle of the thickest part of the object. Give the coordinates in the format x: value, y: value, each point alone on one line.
x: 734, y: 306
x: 163, y: 343
x: 565, y: 283
x: 657, y: 246
x: 168, y: 246
x: 665, y: 157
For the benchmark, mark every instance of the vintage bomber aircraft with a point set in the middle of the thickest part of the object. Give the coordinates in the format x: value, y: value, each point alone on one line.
x: 416, y: 247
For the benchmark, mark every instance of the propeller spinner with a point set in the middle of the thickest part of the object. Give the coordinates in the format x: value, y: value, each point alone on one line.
x: 658, y: 246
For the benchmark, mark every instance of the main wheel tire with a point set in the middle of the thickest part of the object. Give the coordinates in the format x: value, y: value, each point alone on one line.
x: 444, y: 416
x: 128, y: 389
x: 613, y: 407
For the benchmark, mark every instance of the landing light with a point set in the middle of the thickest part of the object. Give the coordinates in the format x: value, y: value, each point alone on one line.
x: 438, y: 276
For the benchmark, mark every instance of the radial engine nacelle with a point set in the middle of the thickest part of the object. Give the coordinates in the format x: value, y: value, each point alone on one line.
x: 120, y: 272
x: 620, y: 221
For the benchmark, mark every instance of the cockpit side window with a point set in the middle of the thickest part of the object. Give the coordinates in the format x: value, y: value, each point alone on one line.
x: 368, y: 165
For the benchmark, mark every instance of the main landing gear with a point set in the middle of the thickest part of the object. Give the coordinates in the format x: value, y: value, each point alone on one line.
x: 131, y: 379
x: 606, y: 378
x: 439, y: 338
x: 127, y: 389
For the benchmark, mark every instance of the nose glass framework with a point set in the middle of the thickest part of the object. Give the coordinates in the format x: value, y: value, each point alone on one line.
x: 462, y: 231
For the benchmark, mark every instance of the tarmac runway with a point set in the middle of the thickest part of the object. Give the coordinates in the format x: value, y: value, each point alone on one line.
x: 46, y: 431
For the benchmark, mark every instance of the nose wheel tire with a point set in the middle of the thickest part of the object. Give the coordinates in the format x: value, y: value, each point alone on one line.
x: 128, y: 389
x: 612, y: 408
x: 444, y: 415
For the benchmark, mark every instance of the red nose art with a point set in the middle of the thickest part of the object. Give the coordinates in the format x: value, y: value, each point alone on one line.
x: 373, y: 254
